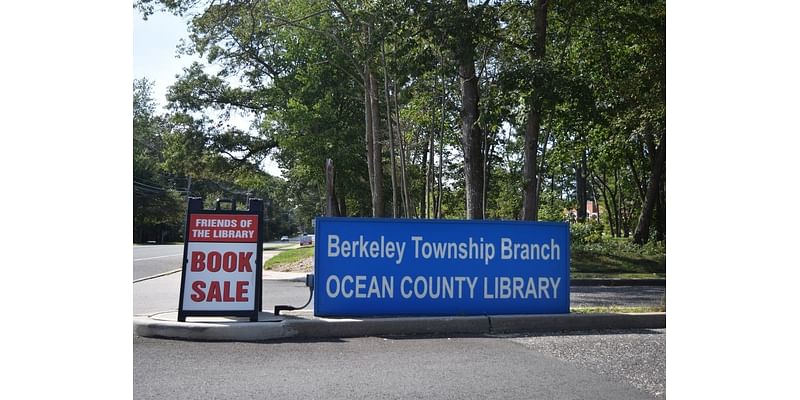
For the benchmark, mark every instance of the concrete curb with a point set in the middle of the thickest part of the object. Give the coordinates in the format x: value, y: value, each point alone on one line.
x: 576, y: 322
x: 269, y: 275
x: 341, y: 328
x: 271, y: 327
x: 147, y: 278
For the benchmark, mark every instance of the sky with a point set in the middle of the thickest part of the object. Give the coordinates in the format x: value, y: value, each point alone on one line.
x: 155, y: 57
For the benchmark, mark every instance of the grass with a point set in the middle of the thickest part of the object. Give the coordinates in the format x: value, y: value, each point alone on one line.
x: 289, y: 256
x: 617, y: 309
x: 612, y: 258
x: 626, y: 275
x: 616, y: 259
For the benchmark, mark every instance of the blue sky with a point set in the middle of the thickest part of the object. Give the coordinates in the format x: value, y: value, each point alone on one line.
x: 155, y: 57
x: 154, y: 45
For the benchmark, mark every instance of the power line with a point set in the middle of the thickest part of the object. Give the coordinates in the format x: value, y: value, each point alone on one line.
x: 152, y: 189
x: 146, y: 185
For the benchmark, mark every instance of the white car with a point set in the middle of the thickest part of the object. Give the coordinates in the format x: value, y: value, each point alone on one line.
x: 284, y: 238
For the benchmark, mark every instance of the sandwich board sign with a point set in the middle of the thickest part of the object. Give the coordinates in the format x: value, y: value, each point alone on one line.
x: 222, y: 257
x: 367, y: 267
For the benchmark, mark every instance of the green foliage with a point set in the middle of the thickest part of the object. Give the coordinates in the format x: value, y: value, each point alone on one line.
x: 610, y: 245
x: 551, y: 212
x: 617, y: 256
x: 296, y: 69
x: 583, y: 233
x: 156, y: 207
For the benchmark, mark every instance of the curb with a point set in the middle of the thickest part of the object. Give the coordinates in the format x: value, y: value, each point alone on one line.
x: 147, y: 278
x: 269, y: 275
x: 279, y: 328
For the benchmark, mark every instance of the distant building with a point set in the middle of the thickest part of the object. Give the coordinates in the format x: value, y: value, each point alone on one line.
x: 592, y: 212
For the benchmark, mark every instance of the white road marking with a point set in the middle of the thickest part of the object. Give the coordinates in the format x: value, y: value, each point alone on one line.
x: 152, y: 258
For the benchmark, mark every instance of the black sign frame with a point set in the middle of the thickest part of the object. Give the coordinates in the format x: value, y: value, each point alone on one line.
x: 255, y: 207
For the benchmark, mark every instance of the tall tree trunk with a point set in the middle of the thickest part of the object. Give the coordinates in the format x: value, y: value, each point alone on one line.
x: 342, y: 203
x: 639, y: 186
x: 487, y: 170
x: 369, y: 136
x: 580, y: 185
x: 661, y: 209
x: 530, y: 200
x: 441, y: 138
x: 540, y: 177
x: 610, y: 201
x: 408, y: 212
x: 332, y: 203
x: 618, y: 205
x: 642, y: 231
x: 423, y: 207
x: 441, y: 167
x: 431, y: 212
x: 529, y: 177
x: 624, y: 215
x: 610, y: 215
x: 391, y: 134
x: 377, y: 149
x: 471, y: 132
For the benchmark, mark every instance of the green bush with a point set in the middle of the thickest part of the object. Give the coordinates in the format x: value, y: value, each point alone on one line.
x: 586, y: 233
x: 611, y: 245
x: 550, y: 212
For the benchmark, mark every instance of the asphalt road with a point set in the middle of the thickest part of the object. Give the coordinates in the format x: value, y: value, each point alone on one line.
x: 149, y: 260
x: 587, y: 366
x: 596, y: 365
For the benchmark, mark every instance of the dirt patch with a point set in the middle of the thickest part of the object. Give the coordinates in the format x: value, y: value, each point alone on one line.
x: 304, y: 265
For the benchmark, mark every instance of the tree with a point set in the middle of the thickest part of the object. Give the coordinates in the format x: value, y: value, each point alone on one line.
x: 156, y: 207
x: 470, y: 112
x: 530, y: 200
x: 506, y: 109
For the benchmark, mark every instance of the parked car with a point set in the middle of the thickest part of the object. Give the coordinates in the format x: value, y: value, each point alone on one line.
x: 284, y: 238
x: 306, y: 240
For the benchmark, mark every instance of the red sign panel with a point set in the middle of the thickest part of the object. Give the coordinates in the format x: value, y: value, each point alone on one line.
x: 223, y: 228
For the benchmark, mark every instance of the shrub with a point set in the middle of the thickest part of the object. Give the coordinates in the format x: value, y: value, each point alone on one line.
x: 586, y: 233
x: 550, y: 212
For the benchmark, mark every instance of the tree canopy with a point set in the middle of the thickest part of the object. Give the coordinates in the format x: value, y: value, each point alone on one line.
x: 429, y: 109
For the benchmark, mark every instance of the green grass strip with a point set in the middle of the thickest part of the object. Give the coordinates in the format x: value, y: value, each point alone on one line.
x: 290, y: 256
x: 617, y: 309
x: 601, y: 275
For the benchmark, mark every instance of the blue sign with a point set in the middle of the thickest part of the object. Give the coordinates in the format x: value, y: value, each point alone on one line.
x: 386, y: 267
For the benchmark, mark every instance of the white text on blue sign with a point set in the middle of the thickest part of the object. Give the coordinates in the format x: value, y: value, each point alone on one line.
x: 471, y: 249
